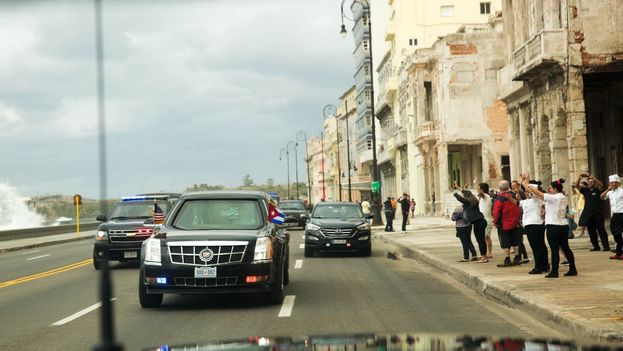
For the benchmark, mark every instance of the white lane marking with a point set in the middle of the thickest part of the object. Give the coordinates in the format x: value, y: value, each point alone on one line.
x: 36, y: 257
x: 80, y: 313
x: 298, y: 264
x: 286, y: 307
x: 302, y: 246
x: 30, y: 252
x: 303, y: 236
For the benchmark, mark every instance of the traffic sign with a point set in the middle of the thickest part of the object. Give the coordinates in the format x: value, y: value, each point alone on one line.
x: 376, y: 186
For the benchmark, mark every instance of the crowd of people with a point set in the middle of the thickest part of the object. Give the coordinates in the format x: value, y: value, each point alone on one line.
x: 524, y: 208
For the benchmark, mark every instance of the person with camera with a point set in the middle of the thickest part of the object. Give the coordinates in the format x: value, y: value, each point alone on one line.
x: 592, y: 216
x: 533, y: 222
x: 556, y: 206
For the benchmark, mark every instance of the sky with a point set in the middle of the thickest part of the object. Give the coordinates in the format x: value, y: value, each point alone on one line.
x: 196, y: 91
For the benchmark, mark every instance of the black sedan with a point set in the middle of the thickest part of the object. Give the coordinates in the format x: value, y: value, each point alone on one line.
x: 337, y: 226
x: 216, y: 242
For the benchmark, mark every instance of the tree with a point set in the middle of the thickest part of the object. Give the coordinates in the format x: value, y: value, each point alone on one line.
x: 204, y: 187
x: 247, y: 180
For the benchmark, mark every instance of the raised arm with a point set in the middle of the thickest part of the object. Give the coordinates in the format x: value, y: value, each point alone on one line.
x: 461, y: 199
x: 535, y: 192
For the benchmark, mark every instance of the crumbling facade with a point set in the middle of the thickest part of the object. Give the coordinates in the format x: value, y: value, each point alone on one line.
x: 563, y: 86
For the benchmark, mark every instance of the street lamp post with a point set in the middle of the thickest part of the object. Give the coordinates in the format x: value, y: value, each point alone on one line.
x: 350, y: 196
x: 296, y: 165
x: 327, y: 111
x: 376, y: 201
x: 287, y: 152
x: 302, y: 136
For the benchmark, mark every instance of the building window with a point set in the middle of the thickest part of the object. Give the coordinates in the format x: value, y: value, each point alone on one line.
x: 365, y: 20
x: 365, y: 45
x: 506, y: 167
x: 366, y: 70
x: 369, y: 144
x: 447, y: 11
x: 428, y: 88
x: 485, y: 8
x: 412, y: 42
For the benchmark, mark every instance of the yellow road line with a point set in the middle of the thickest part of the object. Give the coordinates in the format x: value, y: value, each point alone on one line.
x: 46, y: 273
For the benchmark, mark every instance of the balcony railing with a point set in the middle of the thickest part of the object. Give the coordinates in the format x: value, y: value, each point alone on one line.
x: 400, y: 137
x: 427, y: 133
x: 546, y: 49
x: 506, y: 85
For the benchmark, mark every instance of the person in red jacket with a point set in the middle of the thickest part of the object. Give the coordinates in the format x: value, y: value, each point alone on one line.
x: 506, y: 217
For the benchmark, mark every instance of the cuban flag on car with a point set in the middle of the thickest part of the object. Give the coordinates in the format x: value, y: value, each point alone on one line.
x: 274, y: 214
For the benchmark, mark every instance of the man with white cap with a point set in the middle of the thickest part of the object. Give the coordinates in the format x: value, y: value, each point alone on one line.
x: 614, y: 193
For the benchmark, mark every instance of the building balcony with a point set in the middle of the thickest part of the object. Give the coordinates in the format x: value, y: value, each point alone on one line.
x: 540, y: 54
x: 506, y: 85
x: 426, y: 136
x: 365, y: 156
x: 391, y: 88
x: 400, y: 137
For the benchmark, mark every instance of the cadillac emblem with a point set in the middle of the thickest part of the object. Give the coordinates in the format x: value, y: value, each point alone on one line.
x: 206, y: 255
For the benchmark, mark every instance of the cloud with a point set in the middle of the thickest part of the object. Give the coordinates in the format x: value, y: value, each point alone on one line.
x: 202, y: 91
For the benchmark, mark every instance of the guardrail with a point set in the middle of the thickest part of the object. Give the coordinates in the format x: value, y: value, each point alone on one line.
x: 44, y: 231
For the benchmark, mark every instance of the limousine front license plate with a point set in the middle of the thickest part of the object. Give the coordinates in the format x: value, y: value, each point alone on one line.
x: 338, y: 241
x: 205, y: 272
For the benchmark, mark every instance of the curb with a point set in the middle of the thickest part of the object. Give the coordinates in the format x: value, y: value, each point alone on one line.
x: 546, y: 313
x: 45, y: 243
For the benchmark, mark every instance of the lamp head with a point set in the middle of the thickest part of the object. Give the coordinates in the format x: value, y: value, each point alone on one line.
x: 343, y: 31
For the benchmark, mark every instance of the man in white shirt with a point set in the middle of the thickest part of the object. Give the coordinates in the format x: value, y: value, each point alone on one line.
x: 614, y: 193
x: 366, y: 209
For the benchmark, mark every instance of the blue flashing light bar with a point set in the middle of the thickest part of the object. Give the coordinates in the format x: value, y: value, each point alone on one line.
x: 161, y: 280
x: 133, y: 198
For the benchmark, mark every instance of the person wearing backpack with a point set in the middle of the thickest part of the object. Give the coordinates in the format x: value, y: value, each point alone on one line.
x: 506, y: 216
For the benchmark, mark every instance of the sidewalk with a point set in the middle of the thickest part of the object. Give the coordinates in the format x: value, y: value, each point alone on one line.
x: 588, y: 305
x: 29, y: 243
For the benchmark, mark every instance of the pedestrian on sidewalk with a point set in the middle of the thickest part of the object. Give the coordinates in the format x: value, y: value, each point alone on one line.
x: 580, y: 203
x: 485, y: 206
x: 404, y: 208
x: 394, y: 205
x: 614, y: 193
x: 520, y: 195
x: 389, y: 215
x: 592, y: 215
x: 506, y: 216
x: 556, y: 205
x: 412, y: 208
x: 533, y: 221
x: 366, y: 209
x: 472, y: 214
x: 464, y: 233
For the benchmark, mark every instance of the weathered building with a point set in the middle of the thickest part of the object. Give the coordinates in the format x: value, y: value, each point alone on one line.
x: 315, y: 165
x: 413, y: 24
x: 563, y: 86
x: 456, y: 123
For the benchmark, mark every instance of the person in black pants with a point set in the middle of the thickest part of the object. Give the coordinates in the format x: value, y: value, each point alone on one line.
x: 614, y: 194
x: 535, y: 229
x: 404, y: 208
x: 464, y: 233
x: 556, y: 205
x: 592, y: 216
x: 389, y: 215
x: 473, y: 216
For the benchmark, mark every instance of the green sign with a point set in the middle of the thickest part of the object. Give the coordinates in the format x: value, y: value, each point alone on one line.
x: 376, y: 186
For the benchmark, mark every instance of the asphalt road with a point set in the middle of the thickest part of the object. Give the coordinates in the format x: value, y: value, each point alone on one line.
x: 48, y: 300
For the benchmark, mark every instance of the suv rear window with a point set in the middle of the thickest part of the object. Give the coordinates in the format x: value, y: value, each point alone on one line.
x: 292, y: 205
x: 219, y: 215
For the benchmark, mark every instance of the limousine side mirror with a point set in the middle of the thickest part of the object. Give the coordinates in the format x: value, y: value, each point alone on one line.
x: 101, y: 218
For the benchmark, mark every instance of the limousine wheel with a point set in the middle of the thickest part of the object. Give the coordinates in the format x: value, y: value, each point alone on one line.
x: 147, y: 300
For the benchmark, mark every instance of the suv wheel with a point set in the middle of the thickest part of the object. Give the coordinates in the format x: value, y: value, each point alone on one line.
x: 275, y: 295
x: 147, y: 300
x: 286, y: 277
x: 367, y: 252
x: 97, y: 263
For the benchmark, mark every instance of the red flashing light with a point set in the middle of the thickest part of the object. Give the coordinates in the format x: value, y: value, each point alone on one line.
x: 145, y: 231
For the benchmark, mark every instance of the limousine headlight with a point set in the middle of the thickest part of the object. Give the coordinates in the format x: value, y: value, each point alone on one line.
x: 263, y: 249
x: 152, y: 252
